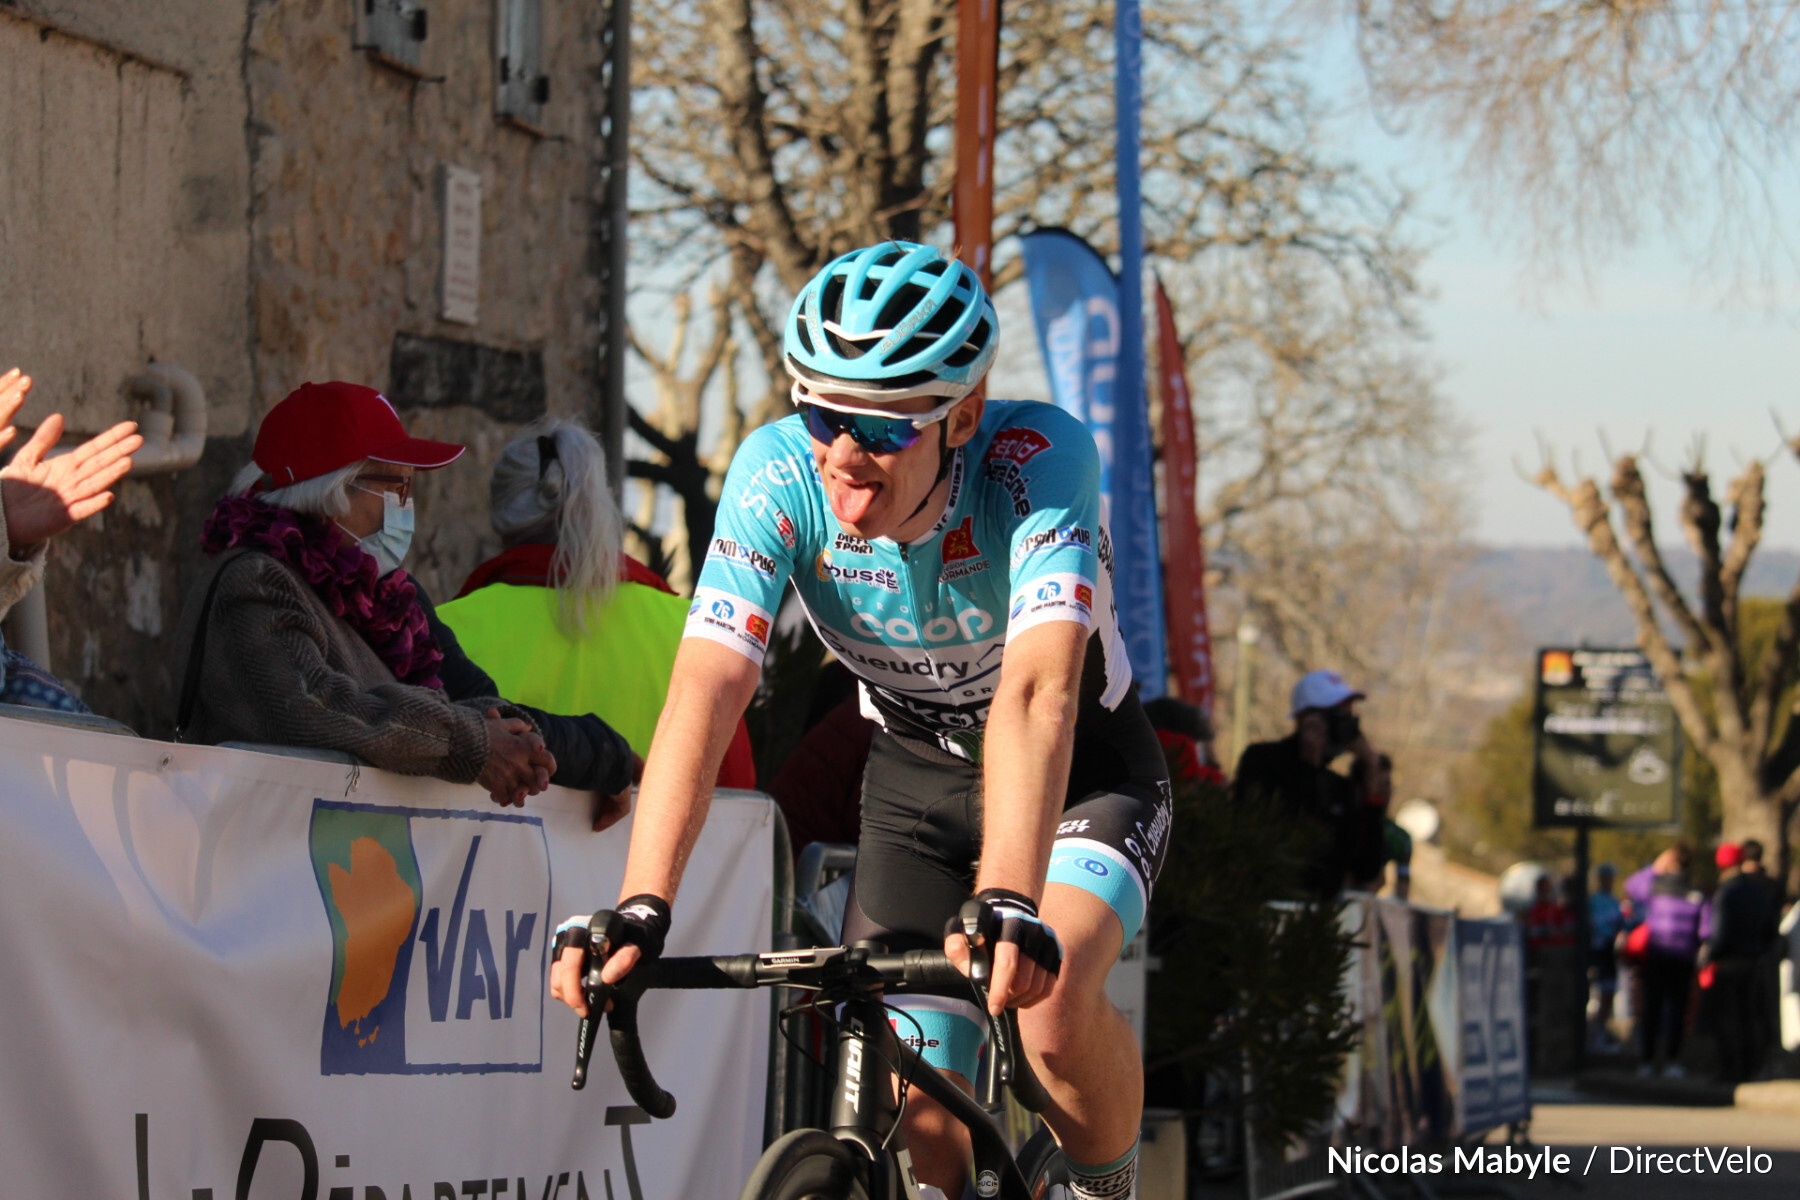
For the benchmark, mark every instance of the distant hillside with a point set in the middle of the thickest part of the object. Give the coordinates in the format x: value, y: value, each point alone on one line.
x: 1564, y: 596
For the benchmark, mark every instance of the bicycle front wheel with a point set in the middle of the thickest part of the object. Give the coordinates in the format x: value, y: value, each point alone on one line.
x: 1045, y: 1169
x: 807, y: 1164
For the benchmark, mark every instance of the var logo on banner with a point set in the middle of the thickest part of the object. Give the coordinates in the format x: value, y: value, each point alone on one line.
x: 438, y: 925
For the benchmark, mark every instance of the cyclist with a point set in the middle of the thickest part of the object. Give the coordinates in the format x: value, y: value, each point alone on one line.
x: 950, y: 551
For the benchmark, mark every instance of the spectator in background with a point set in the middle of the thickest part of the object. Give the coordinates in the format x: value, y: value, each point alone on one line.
x: 1673, y: 910
x: 1606, y: 922
x: 563, y: 618
x: 1376, y: 782
x: 40, y: 497
x: 1550, y: 922
x: 819, y: 784
x: 1296, y: 773
x: 1744, y: 920
x: 305, y: 631
x: 1186, y: 735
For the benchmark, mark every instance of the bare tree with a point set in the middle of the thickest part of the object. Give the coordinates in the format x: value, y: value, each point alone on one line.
x: 1585, y: 118
x: 773, y: 134
x: 1739, y: 727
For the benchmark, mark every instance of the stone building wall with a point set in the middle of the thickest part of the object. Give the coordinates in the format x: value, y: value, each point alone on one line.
x: 235, y: 187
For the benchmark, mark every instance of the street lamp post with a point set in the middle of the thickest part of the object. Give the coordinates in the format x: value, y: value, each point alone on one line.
x: 1247, y: 637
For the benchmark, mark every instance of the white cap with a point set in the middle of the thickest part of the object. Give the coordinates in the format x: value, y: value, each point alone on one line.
x: 1321, y: 689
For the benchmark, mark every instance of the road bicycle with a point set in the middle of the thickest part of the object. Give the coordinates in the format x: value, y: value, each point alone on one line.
x: 863, y: 1156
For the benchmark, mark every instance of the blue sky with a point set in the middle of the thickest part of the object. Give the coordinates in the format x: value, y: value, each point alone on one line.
x: 1646, y: 344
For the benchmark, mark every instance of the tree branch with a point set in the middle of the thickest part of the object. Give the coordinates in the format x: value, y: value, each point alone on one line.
x: 1591, y: 517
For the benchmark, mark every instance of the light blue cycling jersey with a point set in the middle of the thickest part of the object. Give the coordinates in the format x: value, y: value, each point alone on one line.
x: 923, y: 624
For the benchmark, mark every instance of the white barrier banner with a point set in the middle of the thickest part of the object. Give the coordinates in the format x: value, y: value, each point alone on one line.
x: 234, y: 975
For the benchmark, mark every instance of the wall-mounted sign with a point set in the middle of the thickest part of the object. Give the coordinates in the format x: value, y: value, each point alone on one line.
x: 462, y: 246
x: 1608, y: 744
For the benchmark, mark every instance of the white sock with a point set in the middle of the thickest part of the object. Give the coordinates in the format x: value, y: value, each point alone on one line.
x: 1116, y: 1180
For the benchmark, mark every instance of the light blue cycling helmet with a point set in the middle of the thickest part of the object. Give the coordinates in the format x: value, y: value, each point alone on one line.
x: 890, y: 322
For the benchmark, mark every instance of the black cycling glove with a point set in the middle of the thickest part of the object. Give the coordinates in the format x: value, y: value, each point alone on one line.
x: 641, y: 921
x: 1017, y: 919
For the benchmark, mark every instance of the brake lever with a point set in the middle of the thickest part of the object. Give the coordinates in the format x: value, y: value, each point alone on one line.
x: 594, y: 991
x: 981, y: 928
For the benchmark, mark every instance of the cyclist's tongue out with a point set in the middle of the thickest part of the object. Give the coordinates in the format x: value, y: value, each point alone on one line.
x: 850, y: 500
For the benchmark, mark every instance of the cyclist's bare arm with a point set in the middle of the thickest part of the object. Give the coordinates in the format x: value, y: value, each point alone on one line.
x: 1030, y: 736
x: 709, y: 689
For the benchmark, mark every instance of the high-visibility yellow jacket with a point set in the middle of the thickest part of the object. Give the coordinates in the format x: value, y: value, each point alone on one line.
x: 505, y: 618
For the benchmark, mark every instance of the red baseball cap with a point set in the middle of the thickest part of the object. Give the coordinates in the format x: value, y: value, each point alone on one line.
x: 322, y: 427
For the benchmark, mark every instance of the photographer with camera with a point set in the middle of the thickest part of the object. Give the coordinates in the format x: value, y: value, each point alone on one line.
x: 1295, y: 773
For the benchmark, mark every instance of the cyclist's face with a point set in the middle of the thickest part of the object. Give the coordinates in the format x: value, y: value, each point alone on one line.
x: 874, y: 495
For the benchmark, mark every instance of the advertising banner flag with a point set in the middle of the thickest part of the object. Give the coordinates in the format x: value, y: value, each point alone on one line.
x: 1075, y: 303
x: 977, y: 72
x: 1190, y: 637
x: 243, y: 974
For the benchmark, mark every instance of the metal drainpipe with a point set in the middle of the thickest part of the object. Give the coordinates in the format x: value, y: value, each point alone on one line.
x: 174, y: 430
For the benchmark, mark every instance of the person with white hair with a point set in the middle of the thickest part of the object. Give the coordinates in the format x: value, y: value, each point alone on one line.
x: 307, y: 631
x: 563, y: 617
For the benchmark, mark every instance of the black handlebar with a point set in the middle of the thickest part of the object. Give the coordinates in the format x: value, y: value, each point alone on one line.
x: 820, y: 966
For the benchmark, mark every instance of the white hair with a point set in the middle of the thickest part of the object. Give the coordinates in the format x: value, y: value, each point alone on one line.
x: 326, y: 495
x: 550, y: 486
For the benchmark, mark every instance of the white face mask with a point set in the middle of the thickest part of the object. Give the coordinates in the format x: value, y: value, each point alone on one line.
x: 389, y: 544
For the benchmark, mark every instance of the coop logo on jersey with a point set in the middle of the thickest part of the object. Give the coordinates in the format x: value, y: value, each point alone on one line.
x: 1017, y: 444
x: 959, y: 543
x: 741, y: 555
x: 438, y: 927
x: 756, y: 627
x: 829, y: 572
x: 1061, y: 535
x: 849, y: 543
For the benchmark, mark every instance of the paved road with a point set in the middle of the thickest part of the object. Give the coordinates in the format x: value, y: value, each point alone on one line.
x: 1573, y: 1128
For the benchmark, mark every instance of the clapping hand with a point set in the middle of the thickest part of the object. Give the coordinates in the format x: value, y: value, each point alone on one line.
x: 44, y: 496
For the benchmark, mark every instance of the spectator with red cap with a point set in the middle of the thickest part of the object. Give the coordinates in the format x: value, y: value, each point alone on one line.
x: 1340, y: 816
x: 306, y: 631
x: 1745, y: 915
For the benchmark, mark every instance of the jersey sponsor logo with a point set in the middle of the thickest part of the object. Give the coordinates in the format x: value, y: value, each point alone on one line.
x: 1051, y: 597
x: 962, y: 570
x: 777, y: 472
x: 1007, y: 474
x: 738, y: 554
x: 1061, y: 535
x: 829, y: 572
x: 1017, y: 444
x: 784, y: 526
x: 737, y: 622
x: 849, y: 543
x: 972, y: 623
x: 1093, y: 866
x: 959, y: 543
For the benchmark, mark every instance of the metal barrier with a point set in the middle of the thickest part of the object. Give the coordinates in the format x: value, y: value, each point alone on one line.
x: 1441, y: 1059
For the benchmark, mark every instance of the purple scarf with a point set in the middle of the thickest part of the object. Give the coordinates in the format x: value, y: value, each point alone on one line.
x: 384, y: 611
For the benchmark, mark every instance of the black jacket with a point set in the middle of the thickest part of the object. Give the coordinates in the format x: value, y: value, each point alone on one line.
x: 1348, y: 849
